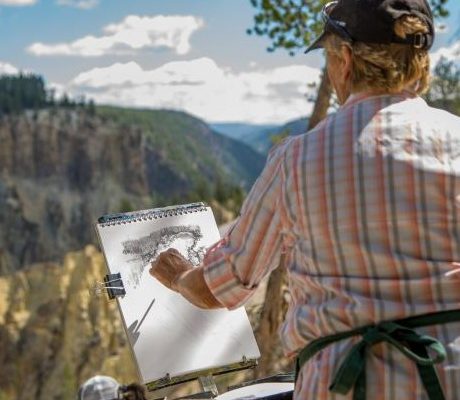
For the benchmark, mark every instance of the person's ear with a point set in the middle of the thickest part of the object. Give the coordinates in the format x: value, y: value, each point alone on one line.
x: 346, y: 63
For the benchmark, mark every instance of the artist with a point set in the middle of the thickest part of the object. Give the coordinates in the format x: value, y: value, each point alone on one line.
x: 366, y: 209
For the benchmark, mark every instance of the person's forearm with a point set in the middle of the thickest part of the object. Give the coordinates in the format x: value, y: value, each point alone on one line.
x: 193, y: 287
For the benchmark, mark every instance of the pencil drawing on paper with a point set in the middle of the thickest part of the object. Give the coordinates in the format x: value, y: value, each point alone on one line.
x: 145, y: 249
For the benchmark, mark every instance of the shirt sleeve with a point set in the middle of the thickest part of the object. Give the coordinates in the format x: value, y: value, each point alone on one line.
x: 234, y: 267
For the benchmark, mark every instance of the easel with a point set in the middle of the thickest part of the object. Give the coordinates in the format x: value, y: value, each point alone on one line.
x: 113, y: 287
x: 205, y: 378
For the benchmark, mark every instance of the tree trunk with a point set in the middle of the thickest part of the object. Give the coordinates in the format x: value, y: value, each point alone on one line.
x: 322, y: 101
x: 272, y: 315
x: 275, y: 304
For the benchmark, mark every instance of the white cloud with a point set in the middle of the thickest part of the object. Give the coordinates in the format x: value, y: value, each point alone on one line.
x: 17, y: 3
x: 81, y: 4
x: 8, y: 69
x: 451, y: 53
x: 203, y: 88
x: 132, y: 34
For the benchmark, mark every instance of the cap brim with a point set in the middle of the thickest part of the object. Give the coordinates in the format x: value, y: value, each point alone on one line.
x: 318, y: 43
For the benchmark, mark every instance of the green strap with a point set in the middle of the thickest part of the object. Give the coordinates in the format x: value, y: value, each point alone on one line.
x: 407, y: 341
x: 429, y: 378
x: 352, y: 374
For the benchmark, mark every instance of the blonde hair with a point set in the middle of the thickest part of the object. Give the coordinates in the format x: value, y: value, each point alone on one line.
x: 388, y: 68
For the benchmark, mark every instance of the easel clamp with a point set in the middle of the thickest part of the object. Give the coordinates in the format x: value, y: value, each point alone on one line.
x: 112, y: 285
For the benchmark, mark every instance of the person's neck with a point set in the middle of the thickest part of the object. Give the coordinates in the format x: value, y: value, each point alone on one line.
x: 409, y: 91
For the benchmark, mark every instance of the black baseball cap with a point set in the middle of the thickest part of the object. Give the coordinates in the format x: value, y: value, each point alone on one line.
x: 372, y: 21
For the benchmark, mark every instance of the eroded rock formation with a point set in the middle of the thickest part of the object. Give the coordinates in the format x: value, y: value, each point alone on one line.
x: 54, y: 334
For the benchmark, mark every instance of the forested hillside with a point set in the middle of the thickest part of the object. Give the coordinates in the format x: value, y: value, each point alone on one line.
x: 189, y: 144
x: 64, y: 163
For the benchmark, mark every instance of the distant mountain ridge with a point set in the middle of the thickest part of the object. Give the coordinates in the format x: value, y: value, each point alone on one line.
x: 260, y: 137
x: 240, y: 131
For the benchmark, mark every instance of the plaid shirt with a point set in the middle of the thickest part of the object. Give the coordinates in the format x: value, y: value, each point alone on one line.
x: 366, y: 208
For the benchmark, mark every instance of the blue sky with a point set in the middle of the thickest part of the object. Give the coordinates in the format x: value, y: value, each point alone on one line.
x: 193, y: 55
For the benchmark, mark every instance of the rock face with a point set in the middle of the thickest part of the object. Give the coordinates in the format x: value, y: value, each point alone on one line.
x: 54, y: 335
x: 61, y: 169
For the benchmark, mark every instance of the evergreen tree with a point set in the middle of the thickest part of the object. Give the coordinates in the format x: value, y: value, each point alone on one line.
x: 91, y: 107
x: 22, y: 92
x: 445, y: 86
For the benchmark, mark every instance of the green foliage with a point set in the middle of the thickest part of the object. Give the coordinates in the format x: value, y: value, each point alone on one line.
x: 446, y: 79
x: 439, y: 8
x: 445, y: 86
x: 91, y: 108
x: 289, y: 24
x: 21, y: 92
x: 229, y: 196
x: 28, y: 92
x: 279, y: 137
x: 188, y: 148
x: 126, y: 206
x: 202, y: 191
x: 293, y: 24
x: 165, y: 130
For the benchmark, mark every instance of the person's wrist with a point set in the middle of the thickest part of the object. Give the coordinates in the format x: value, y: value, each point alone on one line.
x: 176, y: 282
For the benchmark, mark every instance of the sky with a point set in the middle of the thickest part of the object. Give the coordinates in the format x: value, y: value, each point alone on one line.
x: 190, y: 55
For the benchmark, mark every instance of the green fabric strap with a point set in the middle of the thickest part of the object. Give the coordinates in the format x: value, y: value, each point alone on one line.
x: 400, y: 334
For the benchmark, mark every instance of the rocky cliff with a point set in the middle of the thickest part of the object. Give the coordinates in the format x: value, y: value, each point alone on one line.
x: 54, y: 335
x: 58, y: 172
x: 60, y: 169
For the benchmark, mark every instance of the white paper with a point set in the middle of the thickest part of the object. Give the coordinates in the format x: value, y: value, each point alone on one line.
x: 169, y: 335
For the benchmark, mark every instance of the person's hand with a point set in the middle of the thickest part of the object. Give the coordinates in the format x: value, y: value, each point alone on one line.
x: 169, y: 266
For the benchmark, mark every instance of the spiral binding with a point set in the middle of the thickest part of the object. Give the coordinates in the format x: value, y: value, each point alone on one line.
x: 150, y: 215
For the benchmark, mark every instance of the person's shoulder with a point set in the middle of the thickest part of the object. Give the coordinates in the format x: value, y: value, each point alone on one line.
x: 445, y: 115
x: 437, y: 116
x: 290, y: 143
x: 279, y: 150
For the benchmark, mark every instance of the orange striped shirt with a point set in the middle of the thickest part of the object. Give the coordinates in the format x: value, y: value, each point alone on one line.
x: 366, y: 208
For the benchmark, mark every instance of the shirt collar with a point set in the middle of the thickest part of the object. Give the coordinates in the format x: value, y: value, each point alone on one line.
x: 357, y: 97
